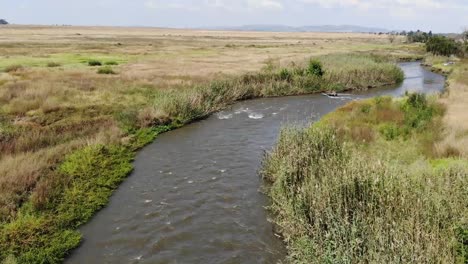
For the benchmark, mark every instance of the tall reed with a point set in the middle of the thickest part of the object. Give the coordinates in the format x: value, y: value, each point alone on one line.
x: 335, y: 203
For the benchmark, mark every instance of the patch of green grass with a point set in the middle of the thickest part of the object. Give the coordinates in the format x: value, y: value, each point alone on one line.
x: 111, y: 63
x: 67, y: 60
x: 89, y: 177
x: 106, y: 70
x: 45, y: 236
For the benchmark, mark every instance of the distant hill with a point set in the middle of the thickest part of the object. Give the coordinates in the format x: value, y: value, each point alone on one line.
x: 323, y: 28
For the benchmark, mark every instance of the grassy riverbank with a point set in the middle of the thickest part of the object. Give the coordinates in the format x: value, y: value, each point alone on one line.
x: 370, y: 184
x: 68, y: 134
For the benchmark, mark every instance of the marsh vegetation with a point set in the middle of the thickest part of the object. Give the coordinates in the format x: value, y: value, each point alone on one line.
x: 366, y: 185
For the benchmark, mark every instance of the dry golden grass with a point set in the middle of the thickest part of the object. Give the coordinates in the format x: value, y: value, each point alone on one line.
x: 455, y: 140
x: 156, y: 53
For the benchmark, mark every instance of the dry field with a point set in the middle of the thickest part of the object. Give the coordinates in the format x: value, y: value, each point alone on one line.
x: 455, y: 140
x: 155, y: 54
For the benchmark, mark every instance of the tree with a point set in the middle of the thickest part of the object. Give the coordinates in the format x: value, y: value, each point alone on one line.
x: 440, y: 45
x: 465, y: 41
x: 465, y: 34
x: 3, y: 22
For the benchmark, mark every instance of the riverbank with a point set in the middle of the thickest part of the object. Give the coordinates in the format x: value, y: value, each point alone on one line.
x: 376, y: 181
x: 55, y: 179
x: 455, y: 120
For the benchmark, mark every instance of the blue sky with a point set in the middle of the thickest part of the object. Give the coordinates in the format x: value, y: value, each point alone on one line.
x: 438, y: 15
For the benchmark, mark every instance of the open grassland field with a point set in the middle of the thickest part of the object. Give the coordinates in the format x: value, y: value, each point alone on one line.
x: 77, y: 102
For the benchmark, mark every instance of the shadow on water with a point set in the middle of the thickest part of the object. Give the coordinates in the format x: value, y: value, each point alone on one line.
x: 194, y: 195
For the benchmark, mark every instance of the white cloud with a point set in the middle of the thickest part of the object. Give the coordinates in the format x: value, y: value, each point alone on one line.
x: 264, y: 4
x: 158, y: 4
x: 152, y: 4
x: 381, y: 4
x: 242, y: 5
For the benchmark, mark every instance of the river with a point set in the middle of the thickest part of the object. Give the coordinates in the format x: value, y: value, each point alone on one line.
x: 194, y: 194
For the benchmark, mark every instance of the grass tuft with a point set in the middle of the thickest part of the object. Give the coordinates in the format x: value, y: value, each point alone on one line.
x: 53, y: 64
x: 94, y: 63
x: 13, y: 68
x: 106, y: 70
x: 111, y: 63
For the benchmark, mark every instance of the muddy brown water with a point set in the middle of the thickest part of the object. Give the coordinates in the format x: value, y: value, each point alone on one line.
x: 194, y: 194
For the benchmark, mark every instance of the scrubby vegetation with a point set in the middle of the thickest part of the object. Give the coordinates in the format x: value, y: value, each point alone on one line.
x: 94, y: 63
x: 440, y: 45
x: 365, y: 185
x: 13, y: 68
x: 106, y: 70
x: 63, y: 155
x: 53, y: 64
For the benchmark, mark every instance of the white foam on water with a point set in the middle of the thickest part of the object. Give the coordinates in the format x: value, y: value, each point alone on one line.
x: 190, y: 182
x: 148, y: 201
x: 223, y: 116
x: 255, y: 116
x: 242, y: 110
x: 138, y: 258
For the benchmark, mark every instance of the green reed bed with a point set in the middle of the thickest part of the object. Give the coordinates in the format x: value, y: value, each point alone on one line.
x: 340, y: 199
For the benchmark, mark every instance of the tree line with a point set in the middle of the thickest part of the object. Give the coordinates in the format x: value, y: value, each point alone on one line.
x: 439, y: 44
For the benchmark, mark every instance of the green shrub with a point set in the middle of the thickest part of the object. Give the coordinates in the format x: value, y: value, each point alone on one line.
x: 53, y: 64
x: 106, y: 70
x: 462, y: 245
x: 315, y: 68
x: 94, y: 63
x: 366, y: 108
x: 390, y: 131
x: 285, y: 75
x: 418, y: 112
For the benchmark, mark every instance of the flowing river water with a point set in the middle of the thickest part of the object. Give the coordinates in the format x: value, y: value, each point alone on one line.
x: 194, y: 194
